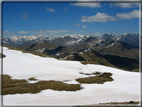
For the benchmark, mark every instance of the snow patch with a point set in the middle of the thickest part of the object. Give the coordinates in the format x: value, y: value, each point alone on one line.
x: 40, y: 50
x: 91, y: 45
x: 58, y: 54
x: 110, y: 45
x: 68, y: 56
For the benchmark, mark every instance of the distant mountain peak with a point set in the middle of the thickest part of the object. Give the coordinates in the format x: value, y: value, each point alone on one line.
x: 69, y: 39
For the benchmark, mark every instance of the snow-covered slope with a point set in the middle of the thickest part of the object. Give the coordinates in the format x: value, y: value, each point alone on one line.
x: 125, y: 87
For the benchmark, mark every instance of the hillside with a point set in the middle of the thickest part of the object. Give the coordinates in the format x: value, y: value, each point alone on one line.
x: 122, y: 49
x: 93, y: 57
x: 110, y: 53
x: 39, y: 47
x: 35, y: 73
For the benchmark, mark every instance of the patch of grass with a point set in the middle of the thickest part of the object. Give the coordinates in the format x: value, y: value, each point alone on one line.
x: 99, y: 79
x: 95, y: 73
x: 85, y: 73
x: 11, y: 86
x: 32, y: 79
x: 8, y: 82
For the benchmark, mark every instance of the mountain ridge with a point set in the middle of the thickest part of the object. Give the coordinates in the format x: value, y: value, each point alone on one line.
x: 68, y: 39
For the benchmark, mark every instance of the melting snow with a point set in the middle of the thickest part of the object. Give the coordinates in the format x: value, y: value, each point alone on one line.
x: 73, y: 42
x: 68, y: 56
x: 125, y: 87
x: 58, y: 54
x: 110, y: 45
x: 91, y: 45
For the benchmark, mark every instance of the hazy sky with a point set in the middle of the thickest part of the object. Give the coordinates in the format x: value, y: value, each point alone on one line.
x: 51, y: 19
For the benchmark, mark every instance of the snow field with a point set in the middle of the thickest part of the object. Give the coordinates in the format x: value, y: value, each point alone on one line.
x: 125, y: 87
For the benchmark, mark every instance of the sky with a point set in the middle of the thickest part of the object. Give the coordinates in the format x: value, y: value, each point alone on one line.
x: 60, y: 19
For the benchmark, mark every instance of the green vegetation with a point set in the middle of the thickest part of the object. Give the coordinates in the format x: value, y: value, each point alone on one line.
x: 8, y: 82
x: 99, y: 79
x: 11, y: 86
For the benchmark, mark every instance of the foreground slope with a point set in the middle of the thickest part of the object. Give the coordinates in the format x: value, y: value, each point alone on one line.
x: 124, y: 87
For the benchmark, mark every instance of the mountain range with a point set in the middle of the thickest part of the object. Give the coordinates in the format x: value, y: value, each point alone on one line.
x: 66, y: 40
x: 110, y: 50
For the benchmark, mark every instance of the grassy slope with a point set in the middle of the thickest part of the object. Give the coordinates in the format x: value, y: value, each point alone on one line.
x: 122, y: 49
x: 11, y: 86
x: 92, y: 57
x: 36, y: 46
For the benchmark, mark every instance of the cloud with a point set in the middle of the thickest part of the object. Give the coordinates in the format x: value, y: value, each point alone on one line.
x: 25, y: 15
x: 39, y: 31
x: 50, y: 9
x: 51, y: 31
x: 125, y: 5
x: 130, y: 15
x: 91, y: 5
x: 76, y: 24
x: 99, y: 17
x: 8, y: 32
x: 24, y: 32
x: 87, y: 4
x: 103, y: 17
x: 80, y: 32
x: 83, y: 17
x: 56, y: 31
x: 84, y: 27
